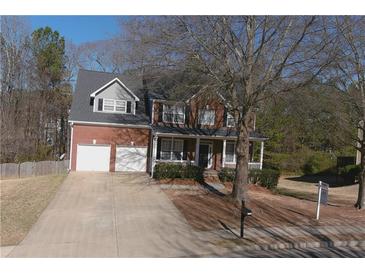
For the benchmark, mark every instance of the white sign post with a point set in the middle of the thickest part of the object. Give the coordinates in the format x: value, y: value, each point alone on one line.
x: 322, y: 196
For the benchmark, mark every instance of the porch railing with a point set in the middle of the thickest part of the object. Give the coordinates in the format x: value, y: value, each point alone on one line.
x: 254, y: 165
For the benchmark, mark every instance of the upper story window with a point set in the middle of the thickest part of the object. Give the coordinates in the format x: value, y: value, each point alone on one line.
x: 207, y: 117
x: 173, y: 114
x: 117, y: 106
x: 230, y: 120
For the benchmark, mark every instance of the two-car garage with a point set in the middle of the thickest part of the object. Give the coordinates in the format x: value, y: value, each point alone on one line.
x: 109, y: 148
x: 92, y: 157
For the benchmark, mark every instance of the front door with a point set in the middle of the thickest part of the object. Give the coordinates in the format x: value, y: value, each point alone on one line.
x: 205, y: 155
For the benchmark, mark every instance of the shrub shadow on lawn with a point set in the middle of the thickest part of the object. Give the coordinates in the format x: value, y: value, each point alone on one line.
x: 332, y: 180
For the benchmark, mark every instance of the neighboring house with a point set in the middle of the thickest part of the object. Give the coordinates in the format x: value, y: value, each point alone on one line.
x: 118, y: 125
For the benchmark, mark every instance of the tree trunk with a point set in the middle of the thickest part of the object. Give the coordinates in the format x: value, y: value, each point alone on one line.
x: 239, y: 191
x: 360, y: 203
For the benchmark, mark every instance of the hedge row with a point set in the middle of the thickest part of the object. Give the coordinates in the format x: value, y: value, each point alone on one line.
x: 268, y: 178
x: 304, y: 161
x: 170, y: 171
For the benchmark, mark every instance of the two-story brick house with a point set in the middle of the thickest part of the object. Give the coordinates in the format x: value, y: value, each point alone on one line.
x: 117, y: 125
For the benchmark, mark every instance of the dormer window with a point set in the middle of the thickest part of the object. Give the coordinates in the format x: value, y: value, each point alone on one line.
x: 117, y: 106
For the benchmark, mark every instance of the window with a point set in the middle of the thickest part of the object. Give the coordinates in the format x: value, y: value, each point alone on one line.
x: 207, y: 117
x: 230, y: 152
x: 120, y: 106
x: 230, y: 120
x: 173, y: 114
x: 172, y: 149
x: 111, y: 105
x: 108, y: 105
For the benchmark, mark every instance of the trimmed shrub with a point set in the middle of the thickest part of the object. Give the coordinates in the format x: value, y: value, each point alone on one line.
x: 267, y: 178
x: 255, y: 176
x: 350, y: 172
x: 226, y: 174
x: 173, y: 171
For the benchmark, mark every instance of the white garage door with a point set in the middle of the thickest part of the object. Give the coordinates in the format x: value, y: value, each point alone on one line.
x: 93, y: 157
x: 131, y: 159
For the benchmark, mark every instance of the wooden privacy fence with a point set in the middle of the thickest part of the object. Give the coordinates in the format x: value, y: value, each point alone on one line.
x: 27, y: 169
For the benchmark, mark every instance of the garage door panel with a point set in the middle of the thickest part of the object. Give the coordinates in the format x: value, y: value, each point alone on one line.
x: 131, y: 159
x: 93, y: 158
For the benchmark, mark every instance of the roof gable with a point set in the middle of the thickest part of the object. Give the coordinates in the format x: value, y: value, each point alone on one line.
x: 115, y: 80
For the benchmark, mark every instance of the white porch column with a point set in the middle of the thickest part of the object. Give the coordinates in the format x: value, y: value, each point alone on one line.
x: 197, y: 144
x: 261, y: 154
x: 154, y: 154
x: 224, y: 153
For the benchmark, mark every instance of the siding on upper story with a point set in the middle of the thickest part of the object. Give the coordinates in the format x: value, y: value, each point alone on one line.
x: 117, y: 92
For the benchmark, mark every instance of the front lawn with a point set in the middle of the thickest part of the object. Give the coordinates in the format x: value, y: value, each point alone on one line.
x: 206, y: 210
x: 22, y: 202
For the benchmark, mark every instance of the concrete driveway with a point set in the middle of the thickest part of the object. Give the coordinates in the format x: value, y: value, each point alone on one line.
x: 110, y: 215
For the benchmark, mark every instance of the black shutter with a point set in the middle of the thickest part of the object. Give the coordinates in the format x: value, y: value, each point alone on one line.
x: 158, y: 154
x: 100, y: 104
x: 160, y: 111
x: 129, y: 106
x: 185, y: 150
x: 225, y: 117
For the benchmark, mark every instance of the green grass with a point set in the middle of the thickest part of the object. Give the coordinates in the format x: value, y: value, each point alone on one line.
x: 21, y: 203
x: 296, y: 194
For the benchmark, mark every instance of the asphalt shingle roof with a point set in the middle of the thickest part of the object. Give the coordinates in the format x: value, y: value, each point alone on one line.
x: 204, y: 132
x: 89, y: 81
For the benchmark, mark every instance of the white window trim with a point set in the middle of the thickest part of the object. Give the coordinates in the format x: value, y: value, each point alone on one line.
x: 114, y: 105
x: 125, y: 102
x: 234, y: 153
x: 173, y: 140
x: 230, y: 116
x: 173, y: 115
x: 210, y: 123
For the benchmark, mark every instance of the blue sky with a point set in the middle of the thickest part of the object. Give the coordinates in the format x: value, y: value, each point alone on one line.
x: 79, y: 29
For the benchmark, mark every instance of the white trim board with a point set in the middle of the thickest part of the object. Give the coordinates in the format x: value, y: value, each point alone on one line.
x: 108, y: 124
x: 111, y: 82
x: 205, y: 136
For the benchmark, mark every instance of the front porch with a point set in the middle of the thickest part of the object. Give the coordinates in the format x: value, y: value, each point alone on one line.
x: 209, y: 152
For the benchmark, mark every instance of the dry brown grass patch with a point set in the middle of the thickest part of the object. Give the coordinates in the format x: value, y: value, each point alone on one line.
x: 22, y: 202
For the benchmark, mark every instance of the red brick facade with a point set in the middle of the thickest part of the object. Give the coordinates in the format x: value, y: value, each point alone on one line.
x: 86, y: 134
x: 192, y: 109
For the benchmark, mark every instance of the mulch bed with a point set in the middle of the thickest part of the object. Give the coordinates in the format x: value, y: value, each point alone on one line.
x: 209, y: 211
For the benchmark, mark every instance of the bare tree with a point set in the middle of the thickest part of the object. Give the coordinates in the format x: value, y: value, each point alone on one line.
x: 26, y: 111
x: 245, y: 58
x: 348, y: 75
